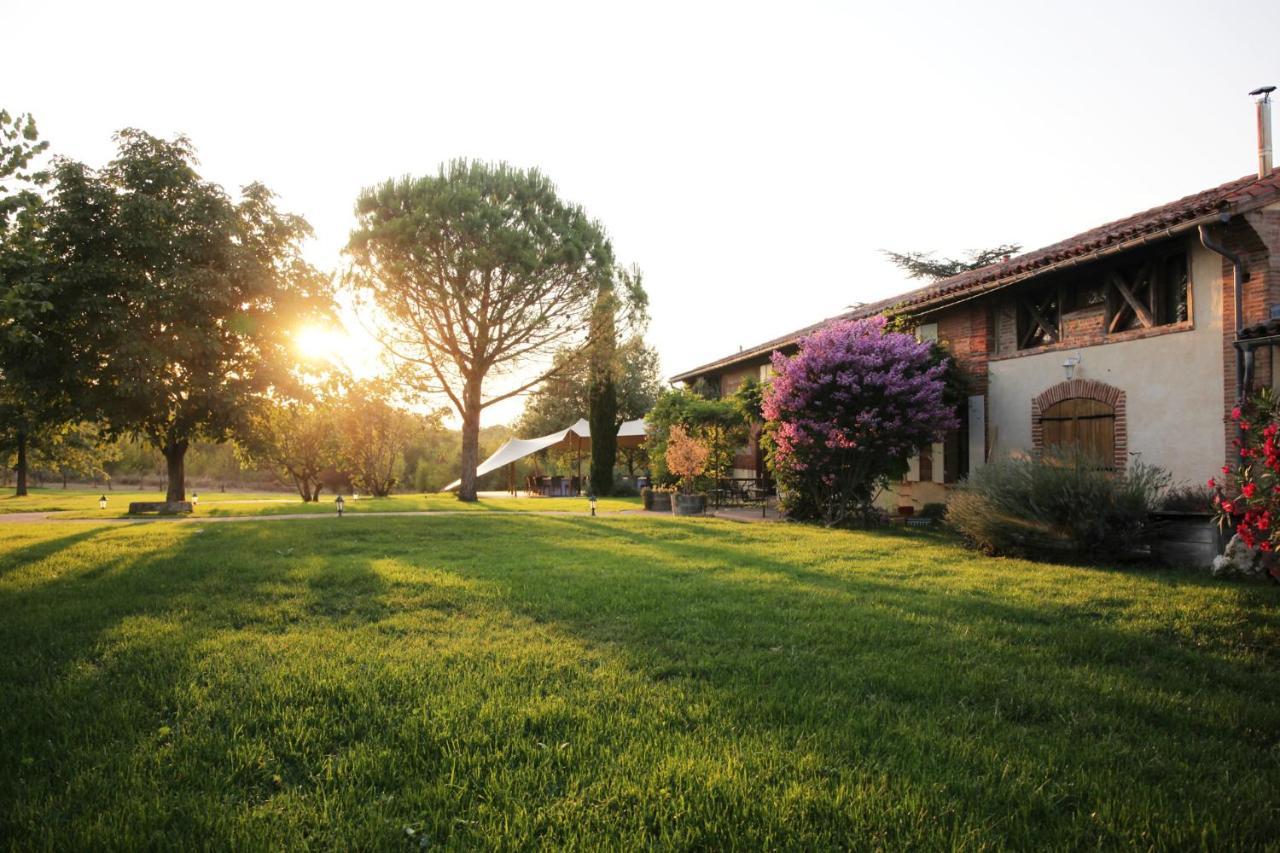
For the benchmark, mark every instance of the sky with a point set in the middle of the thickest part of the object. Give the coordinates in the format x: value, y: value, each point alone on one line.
x: 751, y: 159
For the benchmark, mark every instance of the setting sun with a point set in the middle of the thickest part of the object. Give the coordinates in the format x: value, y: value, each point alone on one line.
x: 321, y: 343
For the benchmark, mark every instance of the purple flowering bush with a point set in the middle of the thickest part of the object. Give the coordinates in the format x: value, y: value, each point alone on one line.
x: 846, y: 413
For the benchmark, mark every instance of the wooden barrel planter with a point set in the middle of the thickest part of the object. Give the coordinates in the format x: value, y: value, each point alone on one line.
x: 691, y: 504
x: 1186, y: 538
x: 659, y: 502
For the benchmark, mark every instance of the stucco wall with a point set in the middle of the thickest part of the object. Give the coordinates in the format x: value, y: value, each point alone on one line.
x: 1172, y: 384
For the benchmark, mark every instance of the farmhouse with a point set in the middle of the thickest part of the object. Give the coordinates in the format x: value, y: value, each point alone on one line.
x: 1131, y: 340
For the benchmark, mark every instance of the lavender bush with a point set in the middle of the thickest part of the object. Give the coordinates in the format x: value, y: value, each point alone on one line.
x: 846, y: 412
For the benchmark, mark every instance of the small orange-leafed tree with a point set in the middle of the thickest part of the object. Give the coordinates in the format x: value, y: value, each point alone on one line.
x: 686, y: 457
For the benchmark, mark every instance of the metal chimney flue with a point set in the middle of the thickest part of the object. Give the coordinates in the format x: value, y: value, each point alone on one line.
x: 1263, y: 95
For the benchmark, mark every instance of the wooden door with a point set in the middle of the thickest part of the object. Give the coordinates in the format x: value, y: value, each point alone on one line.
x: 1083, y: 424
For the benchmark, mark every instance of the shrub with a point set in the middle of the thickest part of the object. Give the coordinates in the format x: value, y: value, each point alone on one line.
x: 1248, y: 498
x: 720, y: 424
x: 686, y: 457
x: 935, y: 511
x: 846, y: 412
x: 1057, y: 505
x: 623, y: 488
x: 1187, y: 497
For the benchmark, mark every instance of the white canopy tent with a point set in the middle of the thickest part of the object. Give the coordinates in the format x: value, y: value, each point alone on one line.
x: 576, y: 437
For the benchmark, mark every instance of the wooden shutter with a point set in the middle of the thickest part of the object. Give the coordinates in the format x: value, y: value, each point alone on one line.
x: 1089, y: 425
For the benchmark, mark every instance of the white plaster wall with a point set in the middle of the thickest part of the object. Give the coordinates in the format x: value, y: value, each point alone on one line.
x: 1172, y: 383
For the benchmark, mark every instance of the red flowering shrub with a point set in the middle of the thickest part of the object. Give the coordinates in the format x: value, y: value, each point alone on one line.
x: 1247, y: 497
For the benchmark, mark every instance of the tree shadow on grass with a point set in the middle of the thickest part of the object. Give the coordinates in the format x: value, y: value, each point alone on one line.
x: 786, y: 646
x: 756, y: 636
x: 42, y: 548
x: 102, y: 660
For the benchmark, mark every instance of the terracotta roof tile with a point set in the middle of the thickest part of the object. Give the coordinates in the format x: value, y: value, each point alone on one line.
x: 1244, y: 192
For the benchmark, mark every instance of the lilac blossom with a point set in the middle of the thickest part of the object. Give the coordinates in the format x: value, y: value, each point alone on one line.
x: 848, y: 410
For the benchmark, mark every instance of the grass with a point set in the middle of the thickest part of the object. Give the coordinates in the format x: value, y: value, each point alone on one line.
x: 82, y: 500
x: 512, y: 681
x: 83, y: 504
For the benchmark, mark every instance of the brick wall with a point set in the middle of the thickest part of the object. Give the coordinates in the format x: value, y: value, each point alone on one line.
x: 1248, y: 237
x: 1084, y: 325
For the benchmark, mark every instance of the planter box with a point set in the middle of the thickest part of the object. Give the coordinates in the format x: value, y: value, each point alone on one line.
x: 1186, y: 539
x: 691, y: 504
x: 161, y: 507
x: 659, y: 502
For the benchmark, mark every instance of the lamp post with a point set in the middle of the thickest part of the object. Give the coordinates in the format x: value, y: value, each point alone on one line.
x: 591, y: 499
x: 339, y: 503
x: 102, y: 502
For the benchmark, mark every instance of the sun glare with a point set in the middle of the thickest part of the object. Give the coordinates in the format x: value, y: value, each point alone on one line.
x: 319, y: 343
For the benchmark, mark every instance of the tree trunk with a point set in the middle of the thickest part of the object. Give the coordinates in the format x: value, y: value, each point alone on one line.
x: 21, y: 467
x: 175, y: 457
x: 470, y: 440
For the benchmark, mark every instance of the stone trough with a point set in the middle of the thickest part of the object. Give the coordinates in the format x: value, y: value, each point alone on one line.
x: 159, y: 507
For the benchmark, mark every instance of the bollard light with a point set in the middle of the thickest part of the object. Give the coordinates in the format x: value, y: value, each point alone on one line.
x: 339, y: 503
x: 195, y: 499
x: 591, y: 499
x: 102, y: 502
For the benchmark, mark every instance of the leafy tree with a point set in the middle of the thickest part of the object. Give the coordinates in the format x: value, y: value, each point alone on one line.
x: 175, y: 302
x: 298, y: 439
x: 34, y: 407
x: 925, y: 265
x: 374, y: 434
x: 719, y: 424
x: 846, y: 412
x: 686, y: 457
x: 565, y: 396
x: 75, y: 450
x: 481, y: 272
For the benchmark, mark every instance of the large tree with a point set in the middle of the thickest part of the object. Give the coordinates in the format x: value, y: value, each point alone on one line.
x: 176, y: 302
x: 299, y: 439
x: 374, y: 434
x: 33, y: 400
x: 480, y: 273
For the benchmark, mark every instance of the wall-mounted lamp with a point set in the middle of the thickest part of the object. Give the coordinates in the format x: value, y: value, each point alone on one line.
x: 1069, y: 365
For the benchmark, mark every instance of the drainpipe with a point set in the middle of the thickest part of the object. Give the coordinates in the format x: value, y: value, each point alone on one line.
x: 1244, y: 354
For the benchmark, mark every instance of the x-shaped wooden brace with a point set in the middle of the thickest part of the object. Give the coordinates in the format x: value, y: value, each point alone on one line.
x: 1040, y: 321
x: 1130, y: 295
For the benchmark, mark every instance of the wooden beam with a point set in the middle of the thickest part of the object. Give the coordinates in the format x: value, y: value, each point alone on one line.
x: 1140, y: 310
x: 1050, y: 328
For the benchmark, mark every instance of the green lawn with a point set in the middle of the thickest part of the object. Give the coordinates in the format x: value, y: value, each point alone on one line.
x: 507, y: 680
x: 83, y: 500
x: 83, y: 504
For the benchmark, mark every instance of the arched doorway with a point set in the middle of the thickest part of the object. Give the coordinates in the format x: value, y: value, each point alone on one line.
x: 1081, y: 424
x: 1083, y: 414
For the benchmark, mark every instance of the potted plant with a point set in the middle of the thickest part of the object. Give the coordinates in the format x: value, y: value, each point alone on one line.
x: 659, y: 499
x: 687, y: 459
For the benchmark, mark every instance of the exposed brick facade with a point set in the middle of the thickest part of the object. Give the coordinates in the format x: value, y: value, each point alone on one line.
x: 982, y: 326
x: 1256, y: 239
